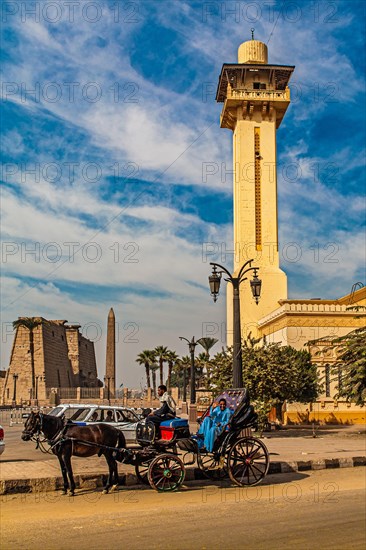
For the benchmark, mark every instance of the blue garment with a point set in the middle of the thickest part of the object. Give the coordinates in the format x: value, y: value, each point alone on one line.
x: 213, y: 425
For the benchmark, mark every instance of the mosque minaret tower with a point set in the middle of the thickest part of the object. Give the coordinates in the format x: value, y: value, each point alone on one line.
x: 255, y: 97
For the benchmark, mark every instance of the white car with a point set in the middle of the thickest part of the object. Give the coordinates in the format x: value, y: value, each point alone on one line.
x: 123, y: 418
x: 2, y: 442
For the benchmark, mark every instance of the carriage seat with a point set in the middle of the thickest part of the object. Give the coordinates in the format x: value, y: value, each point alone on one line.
x: 175, y: 423
x: 174, y: 428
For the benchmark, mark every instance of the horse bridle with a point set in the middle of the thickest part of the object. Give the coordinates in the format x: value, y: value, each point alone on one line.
x: 36, y: 436
x: 33, y: 433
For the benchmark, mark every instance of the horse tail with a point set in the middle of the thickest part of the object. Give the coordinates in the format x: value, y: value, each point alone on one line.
x: 121, y: 442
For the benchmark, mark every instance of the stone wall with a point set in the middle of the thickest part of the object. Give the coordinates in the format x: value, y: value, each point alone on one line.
x: 20, y: 371
x: 87, y: 363
x: 72, y: 337
x: 62, y: 358
x: 57, y: 366
x: 324, y: 411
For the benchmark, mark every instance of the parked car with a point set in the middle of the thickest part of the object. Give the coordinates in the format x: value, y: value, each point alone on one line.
x: 2, y: 442
x: 123, y: 418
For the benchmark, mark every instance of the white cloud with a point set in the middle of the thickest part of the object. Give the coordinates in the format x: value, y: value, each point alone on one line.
x: 70, y: 251
x: 143, y: 323
x: 161, y: 134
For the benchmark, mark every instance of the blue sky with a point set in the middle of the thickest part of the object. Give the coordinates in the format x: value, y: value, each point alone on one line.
x: 103, y: 161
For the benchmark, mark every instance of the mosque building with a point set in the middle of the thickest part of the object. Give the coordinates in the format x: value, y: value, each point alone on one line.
x: 255, y: 97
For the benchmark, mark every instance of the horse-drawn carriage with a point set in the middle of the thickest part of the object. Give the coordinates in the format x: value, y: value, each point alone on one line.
x: 236, y: 453
x: 165, y: 451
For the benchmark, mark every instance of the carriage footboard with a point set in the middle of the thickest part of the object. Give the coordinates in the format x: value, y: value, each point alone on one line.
x: 188, y: 445
x: 128, y: 456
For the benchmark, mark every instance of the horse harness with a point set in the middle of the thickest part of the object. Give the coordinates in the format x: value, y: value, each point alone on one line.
x: 58, y: 439
x: 40, y: 442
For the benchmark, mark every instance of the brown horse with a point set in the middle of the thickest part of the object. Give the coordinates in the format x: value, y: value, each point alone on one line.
x: 67, y: 440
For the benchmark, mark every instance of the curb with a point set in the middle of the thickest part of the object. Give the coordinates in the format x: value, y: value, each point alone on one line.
x: 129, y: 480
x: 319, y: 464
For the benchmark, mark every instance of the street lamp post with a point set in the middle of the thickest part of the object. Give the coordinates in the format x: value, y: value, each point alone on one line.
x: 15, y: 378
x: 192, y: 345
x: 184, y: 385
x: 255, y: 284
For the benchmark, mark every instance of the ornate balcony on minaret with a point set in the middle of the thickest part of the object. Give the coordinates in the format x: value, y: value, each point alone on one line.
x: 253, y: 85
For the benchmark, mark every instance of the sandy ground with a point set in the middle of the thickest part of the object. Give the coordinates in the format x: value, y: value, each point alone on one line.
x: 324, y: 509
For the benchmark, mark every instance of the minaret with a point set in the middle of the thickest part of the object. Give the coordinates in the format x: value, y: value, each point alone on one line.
x: 255, y: 96
x: 110, y: 364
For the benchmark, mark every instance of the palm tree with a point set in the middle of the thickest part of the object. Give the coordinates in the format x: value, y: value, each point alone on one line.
x: 146, y: 358
x: 172, y: 359
x: 185, y: 365
x: 207, y: 343
x: 162, y: 354
x: 30, y: 323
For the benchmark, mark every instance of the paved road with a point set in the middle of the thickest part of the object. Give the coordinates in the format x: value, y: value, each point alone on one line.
x: 323, y: 509
x: 284, y: 445
x: 16, y: 449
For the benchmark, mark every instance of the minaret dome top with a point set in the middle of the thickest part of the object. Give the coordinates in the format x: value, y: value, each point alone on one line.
x: 253, y: 51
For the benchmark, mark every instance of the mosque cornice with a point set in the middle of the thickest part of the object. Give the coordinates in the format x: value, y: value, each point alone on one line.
x: 281, y: 74
x: 309, y: 309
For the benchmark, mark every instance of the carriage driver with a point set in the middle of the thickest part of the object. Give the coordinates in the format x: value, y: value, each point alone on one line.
x: 167, y: 409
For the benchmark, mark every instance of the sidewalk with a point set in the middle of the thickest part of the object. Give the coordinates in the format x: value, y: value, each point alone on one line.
x: 290, y: 450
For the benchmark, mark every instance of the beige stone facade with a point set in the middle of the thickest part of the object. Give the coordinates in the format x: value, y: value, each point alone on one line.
x: 63, y: 358
x: 297, y: 322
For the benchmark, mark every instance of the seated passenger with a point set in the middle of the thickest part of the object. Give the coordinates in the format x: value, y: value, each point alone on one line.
x: 215, y: 424
x: 109, y: 416
x: 167, y: 409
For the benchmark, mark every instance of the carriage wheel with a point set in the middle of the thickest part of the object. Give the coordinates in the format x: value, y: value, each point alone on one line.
x: 248, y: 461
x: 212, y: 467
x: 166, y: 473
x: 142, y: 470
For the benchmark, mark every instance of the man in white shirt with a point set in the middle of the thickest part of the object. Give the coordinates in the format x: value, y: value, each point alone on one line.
x: 167, y: 410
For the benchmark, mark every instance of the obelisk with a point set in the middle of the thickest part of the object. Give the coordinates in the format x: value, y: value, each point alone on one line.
x: 110, y: 364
